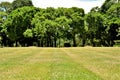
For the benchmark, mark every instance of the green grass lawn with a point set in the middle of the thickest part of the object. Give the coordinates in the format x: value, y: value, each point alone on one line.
x: 60, y: 63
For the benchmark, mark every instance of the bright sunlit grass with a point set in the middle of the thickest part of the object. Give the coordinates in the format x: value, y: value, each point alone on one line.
x: 60, y: 63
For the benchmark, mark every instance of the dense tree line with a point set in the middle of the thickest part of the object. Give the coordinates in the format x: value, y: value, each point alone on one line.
x: 22, y: 24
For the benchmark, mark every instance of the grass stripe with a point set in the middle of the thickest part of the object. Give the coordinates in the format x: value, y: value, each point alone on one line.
x: 60, y: 63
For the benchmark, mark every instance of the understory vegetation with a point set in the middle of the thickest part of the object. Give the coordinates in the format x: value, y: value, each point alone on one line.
x: 25, y: 25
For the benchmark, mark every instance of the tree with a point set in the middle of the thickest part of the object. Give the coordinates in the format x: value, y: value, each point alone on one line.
x: 96, y: 28
x: 5, y: 9
x: 95, y: 9
x: 18, y: 21
x: 107, y: 4
x: 77, y: 26
x: 113, y: 14
x: 20, y: 3
x: 77, y: 23
x: 42, y: 23
x: 63, y: 30
x: 114, y: 11
x: 51, y: 32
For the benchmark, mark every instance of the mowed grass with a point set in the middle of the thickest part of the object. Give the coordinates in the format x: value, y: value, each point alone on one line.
x: 60, y: 63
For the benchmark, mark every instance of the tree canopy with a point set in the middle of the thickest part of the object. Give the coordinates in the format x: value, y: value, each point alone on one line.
x: 22, y: 24
x: 21, y: 3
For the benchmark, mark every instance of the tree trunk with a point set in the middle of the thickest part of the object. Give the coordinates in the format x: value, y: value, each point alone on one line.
x: 74, y: 41
x: 55, y: 44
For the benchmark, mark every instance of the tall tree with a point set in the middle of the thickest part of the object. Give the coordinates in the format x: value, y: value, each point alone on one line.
x: 38, y: 29
x: 18, y: 21
x: 77, y: 26
x: 107, y: 4
x: 5, y: 9
x: 63, y: 30
x: 77, y: 23
x: 113, y: 19
x: 45, y: 27
x: 21, y: 3
x: 96, y: 28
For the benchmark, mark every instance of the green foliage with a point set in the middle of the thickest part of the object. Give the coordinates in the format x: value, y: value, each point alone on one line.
x: 18, y: 21
x: 54, y: 27
x: 63, y: 26
x: 113, y: 15
x: 5, y: 7
x: 28, y: 33
x: 21, y: 3
x: 114, y: 11
x: 2, y: 17
x: 96, y: 28
x: 106, y: 5
x: 57, y: 23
